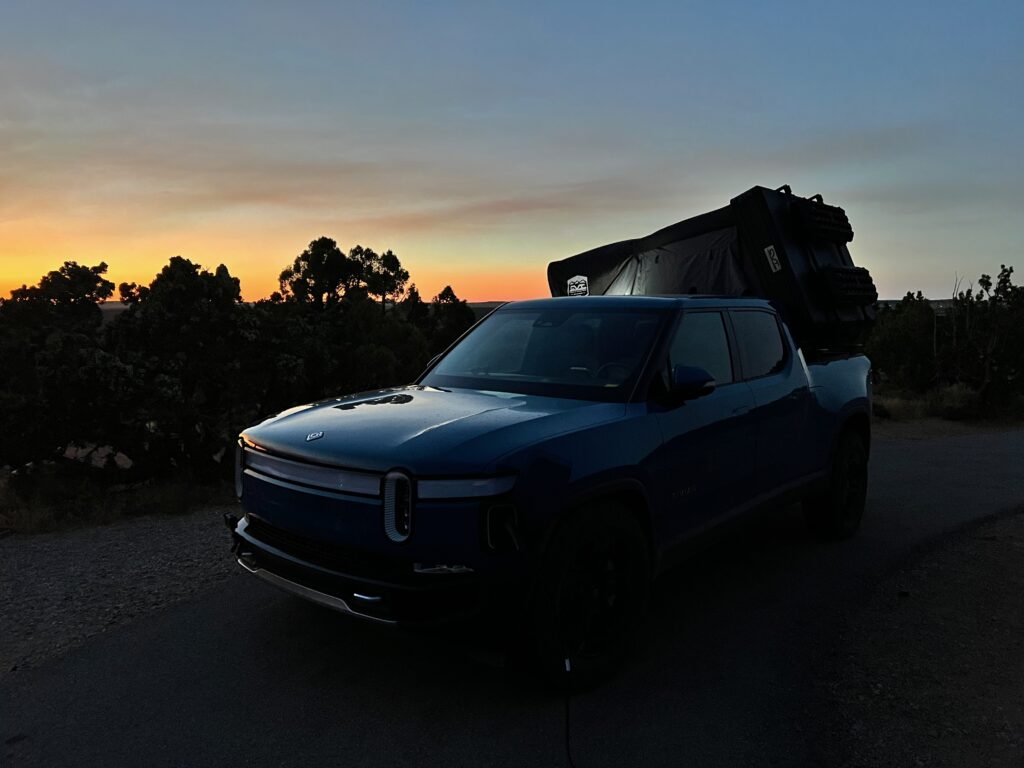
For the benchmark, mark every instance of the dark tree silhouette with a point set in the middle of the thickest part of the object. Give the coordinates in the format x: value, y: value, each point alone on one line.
x: 72, y: 284
x: 382, y: 274
x: 320, y: 275
x: 56, y: 382
x: 416, y: 311
x: 68, y: 297
x: 452, y: 317
x: 187, y: 337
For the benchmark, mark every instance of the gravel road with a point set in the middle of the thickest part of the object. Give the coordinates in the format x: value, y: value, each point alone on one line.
x: 58, y: 589
x: 929, y: 670
x: 132, y: 645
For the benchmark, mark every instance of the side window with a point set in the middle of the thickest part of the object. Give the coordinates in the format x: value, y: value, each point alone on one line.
x: 701, y: 341
x: 760, y: 342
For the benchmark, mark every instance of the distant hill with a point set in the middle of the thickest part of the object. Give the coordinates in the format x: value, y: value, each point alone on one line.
x: 484, y: 308
x: 112, y: 309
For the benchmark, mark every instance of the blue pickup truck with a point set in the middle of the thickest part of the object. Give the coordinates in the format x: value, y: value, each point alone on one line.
x: 551, y: 463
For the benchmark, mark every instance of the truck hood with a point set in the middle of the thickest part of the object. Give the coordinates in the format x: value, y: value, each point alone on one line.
x: 423, y: 429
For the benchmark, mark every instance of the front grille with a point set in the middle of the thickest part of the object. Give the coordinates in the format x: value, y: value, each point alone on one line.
x: 335, y: 557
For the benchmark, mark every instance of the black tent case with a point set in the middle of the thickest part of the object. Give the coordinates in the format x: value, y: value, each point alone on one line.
x: 767, y: 243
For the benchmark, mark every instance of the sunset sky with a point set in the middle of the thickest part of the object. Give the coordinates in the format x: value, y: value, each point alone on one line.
x: 481, y: 140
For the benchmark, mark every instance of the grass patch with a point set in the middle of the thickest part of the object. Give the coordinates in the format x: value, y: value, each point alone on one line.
x: 899, y: 407
x: 954, y: 402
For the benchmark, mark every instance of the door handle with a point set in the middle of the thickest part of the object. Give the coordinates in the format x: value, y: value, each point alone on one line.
x: 741, y: 410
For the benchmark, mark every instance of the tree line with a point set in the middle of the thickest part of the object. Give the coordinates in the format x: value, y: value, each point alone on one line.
x: 974, y: 343
x: 171, y: 380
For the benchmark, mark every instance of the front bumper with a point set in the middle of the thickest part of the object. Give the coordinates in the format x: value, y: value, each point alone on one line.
x: 308, y: 593
x: 367, y: 587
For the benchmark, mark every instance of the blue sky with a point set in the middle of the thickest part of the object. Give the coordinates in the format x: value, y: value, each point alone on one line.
x: 481, y: 140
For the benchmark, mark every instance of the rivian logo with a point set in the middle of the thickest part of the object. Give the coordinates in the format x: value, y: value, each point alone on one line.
x: 314, y: 436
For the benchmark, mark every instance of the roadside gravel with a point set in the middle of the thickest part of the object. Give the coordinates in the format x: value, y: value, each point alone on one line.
x: 58, y: 589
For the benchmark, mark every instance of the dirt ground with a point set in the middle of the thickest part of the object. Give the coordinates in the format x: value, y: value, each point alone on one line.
x: 929, y: 671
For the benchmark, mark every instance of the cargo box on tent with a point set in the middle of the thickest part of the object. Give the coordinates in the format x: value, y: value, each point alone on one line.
x: 767, y: 243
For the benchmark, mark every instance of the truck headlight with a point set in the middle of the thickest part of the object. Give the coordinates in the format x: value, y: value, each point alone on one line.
x: 464, y: 487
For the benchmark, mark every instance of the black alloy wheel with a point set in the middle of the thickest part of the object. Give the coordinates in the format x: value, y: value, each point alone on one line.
x: 592, y: 594
x: 837, y: 512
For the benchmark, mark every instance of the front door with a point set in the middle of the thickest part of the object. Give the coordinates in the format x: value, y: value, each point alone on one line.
x: 781, y: 398
x: 708, y: 447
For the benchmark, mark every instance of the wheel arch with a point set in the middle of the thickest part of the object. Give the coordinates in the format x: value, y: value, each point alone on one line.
x: 628, y: 493
x: 859, y: 423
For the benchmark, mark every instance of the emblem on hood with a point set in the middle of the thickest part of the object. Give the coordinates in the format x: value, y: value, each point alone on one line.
x: 314, y: 436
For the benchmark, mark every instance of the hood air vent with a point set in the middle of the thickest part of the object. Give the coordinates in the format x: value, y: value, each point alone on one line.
x: 397, y: 506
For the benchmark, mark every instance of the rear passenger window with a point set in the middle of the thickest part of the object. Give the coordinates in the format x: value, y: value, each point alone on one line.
x: 701, y: 342
x: 760, y: 342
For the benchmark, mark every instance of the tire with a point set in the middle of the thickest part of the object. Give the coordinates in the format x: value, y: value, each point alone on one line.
x: 836, y: 513
x: 592, y: 593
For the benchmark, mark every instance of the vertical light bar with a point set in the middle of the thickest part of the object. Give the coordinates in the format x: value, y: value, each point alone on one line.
x: 397, y: 506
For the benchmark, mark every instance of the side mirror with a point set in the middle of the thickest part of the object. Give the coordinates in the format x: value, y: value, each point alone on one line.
x: 690, y: 382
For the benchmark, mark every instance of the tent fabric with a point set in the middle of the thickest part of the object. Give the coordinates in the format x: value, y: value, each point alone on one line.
x: 698, y: 255
x: 709, y: 263
x: 766, y: 243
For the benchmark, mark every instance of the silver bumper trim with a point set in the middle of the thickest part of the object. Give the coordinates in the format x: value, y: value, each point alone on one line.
x: 307, y: 593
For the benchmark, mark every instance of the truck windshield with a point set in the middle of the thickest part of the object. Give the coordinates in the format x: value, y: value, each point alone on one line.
x: 563, y: 352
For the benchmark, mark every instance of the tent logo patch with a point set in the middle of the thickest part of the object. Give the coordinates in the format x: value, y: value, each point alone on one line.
x: 578, y: 286
x: 773, y: 259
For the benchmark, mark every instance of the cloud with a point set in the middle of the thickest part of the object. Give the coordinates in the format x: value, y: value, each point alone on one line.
x: 584, y: 198
x: 947, y: 199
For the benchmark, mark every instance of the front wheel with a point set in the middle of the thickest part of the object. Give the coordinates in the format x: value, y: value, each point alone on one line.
x: 592, y: 593
x: 836, y: 512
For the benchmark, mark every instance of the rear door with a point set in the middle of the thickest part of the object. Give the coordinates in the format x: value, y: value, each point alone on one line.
x: 781, y: 395
x: 708, y: 456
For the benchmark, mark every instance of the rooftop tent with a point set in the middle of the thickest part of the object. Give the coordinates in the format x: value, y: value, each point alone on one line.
x: 767, y: 243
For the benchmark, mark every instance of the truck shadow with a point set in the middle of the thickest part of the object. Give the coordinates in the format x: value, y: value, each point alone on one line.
x: 719, y: 661
x: 733, y: 575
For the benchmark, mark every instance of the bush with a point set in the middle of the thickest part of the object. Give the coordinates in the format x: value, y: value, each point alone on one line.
x: 968, y: 360
x: 899, y: 408
x: 48, y: 496
x: 955, y: 402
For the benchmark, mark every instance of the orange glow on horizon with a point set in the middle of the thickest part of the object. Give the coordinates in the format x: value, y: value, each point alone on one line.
x: 477, y: 284
x: 480, y: 264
